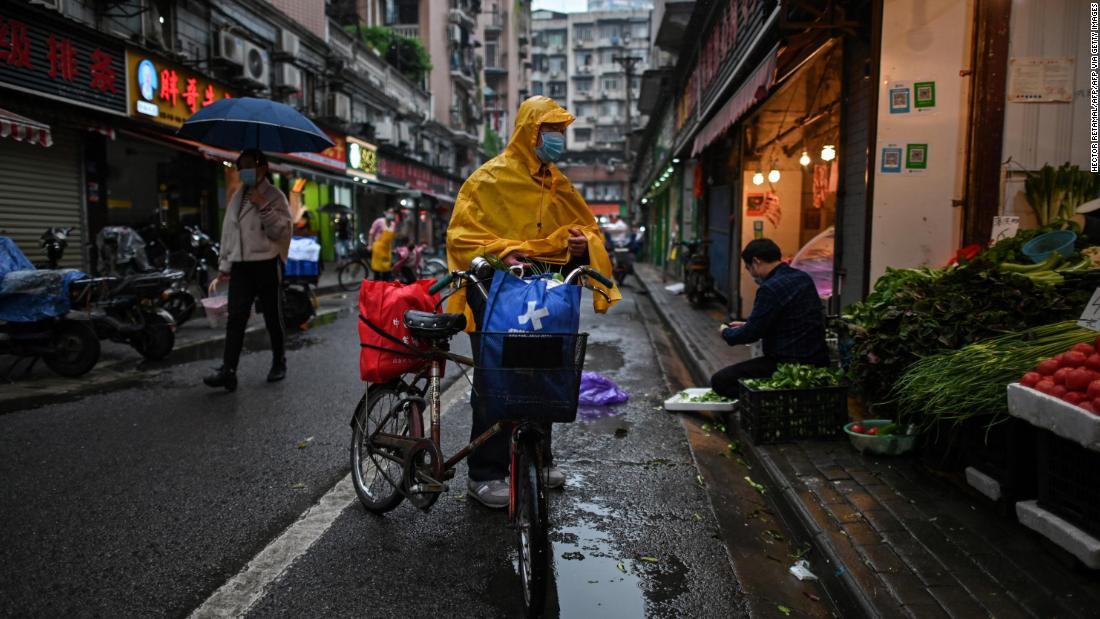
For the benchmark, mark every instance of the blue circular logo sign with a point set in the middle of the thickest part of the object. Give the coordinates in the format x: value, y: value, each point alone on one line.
x: 147, y: 79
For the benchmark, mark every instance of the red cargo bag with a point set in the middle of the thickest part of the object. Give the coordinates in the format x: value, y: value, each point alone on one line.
x: 387, y: 350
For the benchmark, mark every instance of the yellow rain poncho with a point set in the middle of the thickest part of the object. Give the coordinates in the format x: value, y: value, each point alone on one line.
x: 516, y: 203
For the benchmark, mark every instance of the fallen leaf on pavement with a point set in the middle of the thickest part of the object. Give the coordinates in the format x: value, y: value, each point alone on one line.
x: 783, y: 609
x: 305, y: 443
x: 622, y: 568
x: 649, y: 559
x: 297, y: 486
x: 755, y: 486
x: 697, y: 517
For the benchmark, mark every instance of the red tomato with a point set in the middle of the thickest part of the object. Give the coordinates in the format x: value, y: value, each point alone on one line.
x: 1061, y: 375
x: 858, y: 429
x: 1058, y: 391
x: 1085, y: 349
x: 1094, y: 389
x: 1074, y: 397
x: 1096, y: 344
x: 1045, y: 385
x: 1096, y: 403
x: 1093, y: 362
x: 1074, y: 359
x: 1048, y: 367
x: 872, y: 431
x: 1078, y: 379
x: 1031, y: 379
x: 1060, y: 358
x: 1088, y: 406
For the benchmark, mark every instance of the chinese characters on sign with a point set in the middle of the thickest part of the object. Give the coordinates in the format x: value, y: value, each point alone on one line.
x: 45, y: 56
x: 166, y: 93
x: 362, y: 158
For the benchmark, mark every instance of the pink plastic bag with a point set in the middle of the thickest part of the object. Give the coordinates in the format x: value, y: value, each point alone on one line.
x: 599, y: 390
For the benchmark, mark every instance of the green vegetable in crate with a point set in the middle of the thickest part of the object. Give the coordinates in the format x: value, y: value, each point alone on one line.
x: 797, y: 376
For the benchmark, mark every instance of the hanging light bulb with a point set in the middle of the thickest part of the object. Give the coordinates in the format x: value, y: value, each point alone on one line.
x: 773, y: 176
x: 804, y: 159
x: 828, y: 152
x: 758, y: 178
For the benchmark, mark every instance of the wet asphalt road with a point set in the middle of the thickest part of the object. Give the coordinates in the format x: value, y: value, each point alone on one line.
x: 145, y: 501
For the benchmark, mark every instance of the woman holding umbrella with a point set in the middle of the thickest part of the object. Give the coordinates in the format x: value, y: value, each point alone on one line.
x: 255, y: 243
x: 257, y: 228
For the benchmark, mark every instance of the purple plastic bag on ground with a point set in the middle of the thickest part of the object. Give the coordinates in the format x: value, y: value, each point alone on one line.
x: 599, y: 390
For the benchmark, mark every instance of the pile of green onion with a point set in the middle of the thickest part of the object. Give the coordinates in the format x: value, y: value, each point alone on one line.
x: 972, y: 381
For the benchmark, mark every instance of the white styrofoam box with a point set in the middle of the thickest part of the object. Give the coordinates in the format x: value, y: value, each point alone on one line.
x: 983, y: 483
x: 1075, y: 541
x: 682, y: 402
x: 1048, y: 412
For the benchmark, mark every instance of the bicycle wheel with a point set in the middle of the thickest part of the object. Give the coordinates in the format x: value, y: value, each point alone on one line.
x: 351, y: 275
x: 376, y: 472
x: 531, y: 523
x: 433, y: 268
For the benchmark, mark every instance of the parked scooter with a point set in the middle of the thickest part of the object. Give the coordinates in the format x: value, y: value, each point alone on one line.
x: 37, y: 321
x: 622, y: 256
x: 54, y: 241
x: 196, y: 261
x: 698, y: 282
x: 130, y: 312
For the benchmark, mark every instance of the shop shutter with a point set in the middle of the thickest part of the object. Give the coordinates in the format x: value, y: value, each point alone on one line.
x: 40, y: 188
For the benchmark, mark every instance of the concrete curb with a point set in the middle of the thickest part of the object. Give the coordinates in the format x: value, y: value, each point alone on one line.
x: 124, y: 372
x: 846, y: 593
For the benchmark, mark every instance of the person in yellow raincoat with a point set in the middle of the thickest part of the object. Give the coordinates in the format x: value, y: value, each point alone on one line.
x: 519, y: 207
x: 381, y: 247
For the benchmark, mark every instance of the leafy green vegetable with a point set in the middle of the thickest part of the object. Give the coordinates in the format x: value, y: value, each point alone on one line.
x: 709, y: 396
x: 971, y: 381
x: 797, y: 376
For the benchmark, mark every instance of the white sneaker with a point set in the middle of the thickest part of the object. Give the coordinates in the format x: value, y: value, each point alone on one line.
x: 492, y: 494
x: 554, y: 477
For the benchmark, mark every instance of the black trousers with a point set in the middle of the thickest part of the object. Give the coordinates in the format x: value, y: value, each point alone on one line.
x: 724, y: 382
x: 247, y: 282
x: 493, y: 459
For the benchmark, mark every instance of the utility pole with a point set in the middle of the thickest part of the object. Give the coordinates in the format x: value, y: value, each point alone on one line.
x: 627, y: 63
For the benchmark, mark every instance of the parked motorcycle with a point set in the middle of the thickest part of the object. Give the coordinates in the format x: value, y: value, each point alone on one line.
x: 37, y: 320
x: 130, y: 312
x: 54, y: 241
x: 698, y: 282
x: 622, y: 257
x: 197, y: 262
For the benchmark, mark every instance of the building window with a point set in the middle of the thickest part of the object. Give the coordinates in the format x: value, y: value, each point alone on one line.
x: 641, y: 31
x: 584, y: 61
x: 557, y: 64
x: 607, y: 56
x: 536, y: 88
x: 583, y: 32
x: 610, y: 84
x: 609, y: 108
x: 540, y: 63
x: 491, y: 55
x: 608, y: 31
x: 609, y: 134
x: 557, y: 90
x: 584, y: 85
x: 554, y: 38
x: 582, y: 135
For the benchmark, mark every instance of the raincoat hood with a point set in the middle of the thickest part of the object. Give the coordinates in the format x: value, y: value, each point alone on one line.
x: 517, y: 203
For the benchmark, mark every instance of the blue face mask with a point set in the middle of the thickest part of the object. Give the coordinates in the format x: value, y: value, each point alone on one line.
x: 248, y: 177
x: 552, y: 147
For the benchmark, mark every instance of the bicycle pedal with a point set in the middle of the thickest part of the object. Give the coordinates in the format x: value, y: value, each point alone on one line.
x: 448, y: 474
x: 429, y: 488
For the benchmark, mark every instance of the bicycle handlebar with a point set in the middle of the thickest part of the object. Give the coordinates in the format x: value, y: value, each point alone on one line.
x: 441, y: 283
x: 596, y: 275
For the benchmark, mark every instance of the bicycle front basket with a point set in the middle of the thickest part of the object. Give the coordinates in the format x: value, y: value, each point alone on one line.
x: 528, y: 376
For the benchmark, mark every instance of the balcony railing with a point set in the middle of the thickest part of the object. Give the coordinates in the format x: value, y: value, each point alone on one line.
x: 407, y: 30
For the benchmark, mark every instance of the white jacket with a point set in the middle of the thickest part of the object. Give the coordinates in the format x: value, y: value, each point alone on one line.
x: 251, y: 233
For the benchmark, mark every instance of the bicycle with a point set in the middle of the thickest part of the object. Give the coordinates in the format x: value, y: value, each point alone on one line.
x: 355, y: 268
x: 392, y: 459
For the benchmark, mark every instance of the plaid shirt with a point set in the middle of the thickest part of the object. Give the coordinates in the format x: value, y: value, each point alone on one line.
x: 787, y: 314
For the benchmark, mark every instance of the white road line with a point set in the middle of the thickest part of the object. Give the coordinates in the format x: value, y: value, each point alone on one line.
x: 240, y: 593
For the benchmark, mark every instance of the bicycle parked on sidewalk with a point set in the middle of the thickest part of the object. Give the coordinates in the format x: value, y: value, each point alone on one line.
x: 355, y: 267
x: 394, y: 457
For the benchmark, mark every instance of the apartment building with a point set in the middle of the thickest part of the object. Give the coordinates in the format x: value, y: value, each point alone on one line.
x: 505, y: 32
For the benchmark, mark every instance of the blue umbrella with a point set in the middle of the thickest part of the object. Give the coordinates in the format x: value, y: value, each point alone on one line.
x: 246, y: 122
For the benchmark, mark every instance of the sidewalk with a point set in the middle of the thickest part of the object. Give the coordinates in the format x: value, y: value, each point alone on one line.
x: 120, y: 365
x: 890, y: 539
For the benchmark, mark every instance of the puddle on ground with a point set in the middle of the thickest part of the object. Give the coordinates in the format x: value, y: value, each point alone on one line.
x: 589, y: 580
x: 603, y: 356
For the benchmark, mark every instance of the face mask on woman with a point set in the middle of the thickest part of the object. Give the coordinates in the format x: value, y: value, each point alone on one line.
x: 552, y: 146
x: 248, y: 177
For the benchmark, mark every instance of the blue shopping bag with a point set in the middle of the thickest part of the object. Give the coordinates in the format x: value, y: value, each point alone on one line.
x: 529, y: 356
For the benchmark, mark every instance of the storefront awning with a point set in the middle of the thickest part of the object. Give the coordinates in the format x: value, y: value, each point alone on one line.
x: 604, y: 208
x: 752, y: 90
x: 24, y: 129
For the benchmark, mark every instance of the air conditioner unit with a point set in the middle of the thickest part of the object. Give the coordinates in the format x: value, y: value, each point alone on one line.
x: 230, y: 48
x: 257, y: 65
x: 555, y: 73
x: 54, y: 5
x: 383, y: 130
x: 288, y: 76
x: 289, y: 44
x: 339, y: 107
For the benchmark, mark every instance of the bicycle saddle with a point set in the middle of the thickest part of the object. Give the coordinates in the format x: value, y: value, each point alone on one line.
x: 429, y: 326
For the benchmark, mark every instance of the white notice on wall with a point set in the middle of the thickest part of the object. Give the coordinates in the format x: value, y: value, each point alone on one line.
x: 1090, y: 318
x: 1040, y: 80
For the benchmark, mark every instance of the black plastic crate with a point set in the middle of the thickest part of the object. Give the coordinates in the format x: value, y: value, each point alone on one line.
x: 776, y: 416
x: 1005, y: 452
x: 1069, y: 481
